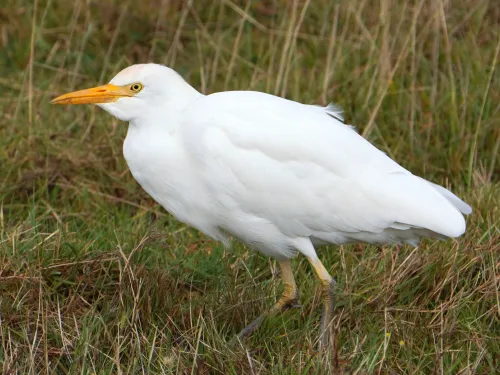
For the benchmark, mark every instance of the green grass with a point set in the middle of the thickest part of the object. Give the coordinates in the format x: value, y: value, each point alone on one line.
x: 96, y: 278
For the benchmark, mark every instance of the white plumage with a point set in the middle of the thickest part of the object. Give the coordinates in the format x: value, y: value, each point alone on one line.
x: 279, y: 175
x: 275, y: 173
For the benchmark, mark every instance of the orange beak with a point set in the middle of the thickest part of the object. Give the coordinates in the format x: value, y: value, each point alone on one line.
x: 97, y: 95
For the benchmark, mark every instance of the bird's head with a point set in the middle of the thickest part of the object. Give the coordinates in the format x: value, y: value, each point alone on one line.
x: 135, y: 92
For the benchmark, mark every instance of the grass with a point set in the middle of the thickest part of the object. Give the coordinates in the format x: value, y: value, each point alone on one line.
x: 96, y: 278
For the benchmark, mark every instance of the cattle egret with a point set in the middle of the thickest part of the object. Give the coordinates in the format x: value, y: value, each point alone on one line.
x: 280, y: 176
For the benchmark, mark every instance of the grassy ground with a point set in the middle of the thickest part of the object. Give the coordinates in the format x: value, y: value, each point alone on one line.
x: 96, y: 278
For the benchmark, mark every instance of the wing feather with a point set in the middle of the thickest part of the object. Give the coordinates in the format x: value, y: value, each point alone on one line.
x: 303, y: 170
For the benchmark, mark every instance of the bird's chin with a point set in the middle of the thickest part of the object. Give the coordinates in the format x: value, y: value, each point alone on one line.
x: 115, y: 110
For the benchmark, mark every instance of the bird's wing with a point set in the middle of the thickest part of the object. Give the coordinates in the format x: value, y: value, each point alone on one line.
x: 305, y: 171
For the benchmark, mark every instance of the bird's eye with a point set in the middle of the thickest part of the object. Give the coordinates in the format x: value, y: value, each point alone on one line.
x: 136, y: 87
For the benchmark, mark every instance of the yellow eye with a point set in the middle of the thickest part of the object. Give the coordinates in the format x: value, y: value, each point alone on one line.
x: 136, y: 87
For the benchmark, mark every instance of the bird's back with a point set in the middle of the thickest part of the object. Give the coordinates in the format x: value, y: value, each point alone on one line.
x: 295, y: 169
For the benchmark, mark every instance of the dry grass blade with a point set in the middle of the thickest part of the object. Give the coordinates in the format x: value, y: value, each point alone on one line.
x: 96, y: 278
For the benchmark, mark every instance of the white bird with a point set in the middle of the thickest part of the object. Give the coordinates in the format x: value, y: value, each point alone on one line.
x: 280, y: 176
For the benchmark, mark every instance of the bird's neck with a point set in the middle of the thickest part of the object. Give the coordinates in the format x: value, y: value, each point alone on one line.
x: 182, y: 96
x: 166, y: 115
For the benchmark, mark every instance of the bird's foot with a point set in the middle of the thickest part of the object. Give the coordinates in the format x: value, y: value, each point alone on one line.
x: 289, y: 299
x: 326, y: 328
x: 282, y: 305
x: 250, y: 329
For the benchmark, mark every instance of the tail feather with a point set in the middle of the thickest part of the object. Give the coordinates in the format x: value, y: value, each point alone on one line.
x: 456, y: 201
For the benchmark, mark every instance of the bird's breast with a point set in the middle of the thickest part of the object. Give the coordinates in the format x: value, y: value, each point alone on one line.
x: 159, y: 164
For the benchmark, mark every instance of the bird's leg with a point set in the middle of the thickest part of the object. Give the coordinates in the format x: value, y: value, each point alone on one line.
x: 326, y: 334
x: 289, y: 299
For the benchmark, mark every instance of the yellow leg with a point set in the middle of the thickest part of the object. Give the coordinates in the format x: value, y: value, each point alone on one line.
x: 289, y: 299
x: 326, y: 333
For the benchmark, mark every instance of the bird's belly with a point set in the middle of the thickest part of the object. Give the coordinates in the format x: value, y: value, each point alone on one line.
x: 181, y: 194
